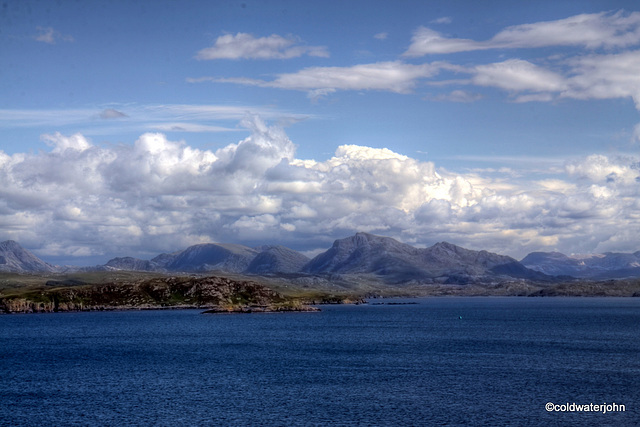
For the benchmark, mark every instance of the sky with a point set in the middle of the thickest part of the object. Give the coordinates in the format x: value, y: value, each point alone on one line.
x: 133, y: 128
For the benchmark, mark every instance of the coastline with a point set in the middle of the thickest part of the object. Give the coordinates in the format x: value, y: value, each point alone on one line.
x: 216, y: 294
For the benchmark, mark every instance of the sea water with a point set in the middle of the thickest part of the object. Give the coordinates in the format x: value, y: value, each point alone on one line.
x: 437, y: 361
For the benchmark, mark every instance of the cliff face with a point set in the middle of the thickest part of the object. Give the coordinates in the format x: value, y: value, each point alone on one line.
x: 154, y: 293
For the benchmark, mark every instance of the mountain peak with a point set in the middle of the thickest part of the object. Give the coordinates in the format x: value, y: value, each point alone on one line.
x: 277, y: 259
x: 362, y: 238
x: 10, y: 244
x: 446, y: 245
x: 15, y: 258
x: 365, y: 253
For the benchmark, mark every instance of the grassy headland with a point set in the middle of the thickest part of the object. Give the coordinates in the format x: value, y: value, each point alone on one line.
x: 148, y: 293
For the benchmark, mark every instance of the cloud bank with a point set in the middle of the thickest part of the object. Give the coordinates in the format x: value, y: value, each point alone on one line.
x: 156, y: 195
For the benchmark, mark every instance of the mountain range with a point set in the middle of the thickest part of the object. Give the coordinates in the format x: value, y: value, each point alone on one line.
x: 363, y: 254
x: 610, y: 265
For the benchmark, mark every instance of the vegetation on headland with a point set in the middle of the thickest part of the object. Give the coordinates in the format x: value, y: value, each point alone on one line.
x: 154, y: 293
x: 242, y: 294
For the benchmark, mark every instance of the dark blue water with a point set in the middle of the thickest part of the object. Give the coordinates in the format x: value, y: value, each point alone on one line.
x: 348, y: 365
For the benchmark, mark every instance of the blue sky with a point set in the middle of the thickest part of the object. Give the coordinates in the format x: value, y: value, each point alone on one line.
x: 134, y: 128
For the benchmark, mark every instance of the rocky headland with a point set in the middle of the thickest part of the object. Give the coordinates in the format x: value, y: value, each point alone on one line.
x: 214, y: 293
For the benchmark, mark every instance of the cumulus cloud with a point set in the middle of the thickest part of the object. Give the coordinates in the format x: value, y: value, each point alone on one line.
x: 157, y: 195
x: 246, y: 46
x: 597, y: 30
x: 61, y: 143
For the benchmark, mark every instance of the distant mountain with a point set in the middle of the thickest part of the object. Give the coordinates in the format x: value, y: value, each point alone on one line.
x: 383, y: 256
x: 163, y: 260
x: 362, y: 254
x: 14, y: 258
x: 367, y: 253
x: 277, y: 259
x: 132, y: 264
x: 610, y: 265
x: 213, y: 256
x: 450, y: 260
x: 218, y: 256
x: 554, y: 263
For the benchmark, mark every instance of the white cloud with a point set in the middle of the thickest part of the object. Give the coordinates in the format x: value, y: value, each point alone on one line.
x: 427, y: 41
x: 605, y: 76
x: 381, y: 36
x: 545, y: 79
x: 518, y: 75
x: 110, y: 113
x: 142, y: 118
x: 585, y: 77
x: 442, y: 20
x: 602, y: 169
x: 50, y: 36
x: 455, y: 96
x: 592, y: 31
x: 62, y: 143
x: 158, y: 195
x: 598, y: 30
x: 246, y: 46
x: 188, y: 127
x: 392, y: 76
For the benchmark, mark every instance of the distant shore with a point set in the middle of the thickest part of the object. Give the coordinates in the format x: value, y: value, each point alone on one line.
x: 242, y: 294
